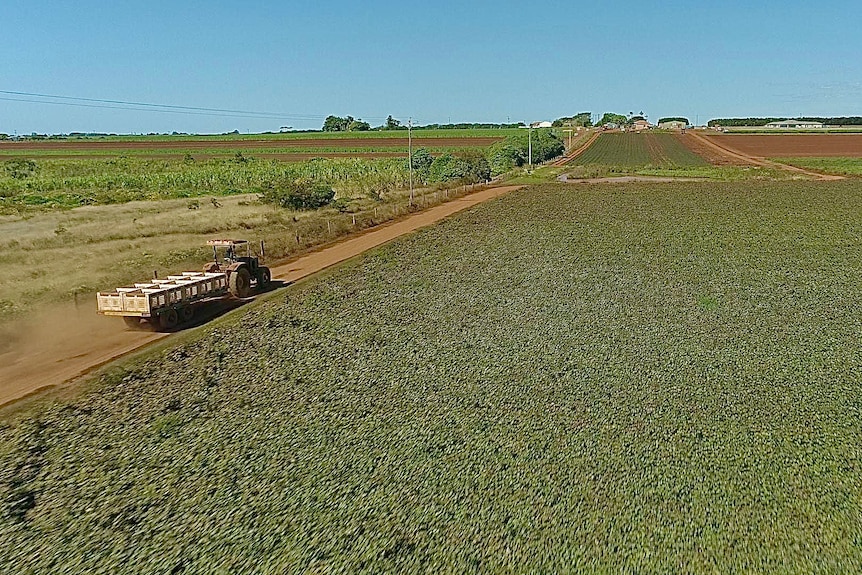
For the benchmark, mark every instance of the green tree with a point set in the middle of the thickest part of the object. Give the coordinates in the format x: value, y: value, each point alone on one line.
x: 391, y: 123
x: 469, y: 169
x: 504, y: 156
x: 298, y: 195
x: 421, y: 161
x: 333, y: 124
x: 611, y: 118
x: 582, y: 119
x: 358, y: 126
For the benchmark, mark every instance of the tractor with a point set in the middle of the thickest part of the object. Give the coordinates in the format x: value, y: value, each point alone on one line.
x: 242, y: 271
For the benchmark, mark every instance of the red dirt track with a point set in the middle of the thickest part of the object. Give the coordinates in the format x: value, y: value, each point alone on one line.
x: 792, y: 145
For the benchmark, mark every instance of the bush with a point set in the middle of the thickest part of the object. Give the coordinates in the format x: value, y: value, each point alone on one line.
x: 20, y: 169
x: 504, y: 156
x: 514, y: 151
x: 422, y: 161
x: 477, y: 170
x: 299, y: 195
x: 444, y: 168
x: 468, y: 169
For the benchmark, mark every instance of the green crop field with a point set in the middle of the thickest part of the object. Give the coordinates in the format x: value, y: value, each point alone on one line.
x: 417, y: 133
x: 610, y: 379
x: 178, y: 153
x: 838, y: 166
x: 67, y: 183
x: 633, y: 150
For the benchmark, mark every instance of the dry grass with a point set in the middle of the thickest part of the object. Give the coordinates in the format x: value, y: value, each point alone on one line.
x: 55, y: 257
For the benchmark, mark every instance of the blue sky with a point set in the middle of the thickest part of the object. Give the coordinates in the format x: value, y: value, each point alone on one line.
x: 435, y: 61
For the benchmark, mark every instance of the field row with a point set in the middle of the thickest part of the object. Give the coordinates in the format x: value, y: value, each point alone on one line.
x: 631, y: 150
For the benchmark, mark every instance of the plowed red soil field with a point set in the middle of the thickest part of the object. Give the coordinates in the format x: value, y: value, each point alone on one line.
x: 711, y: 154
x: 74, y: 145
x: 793, y: 145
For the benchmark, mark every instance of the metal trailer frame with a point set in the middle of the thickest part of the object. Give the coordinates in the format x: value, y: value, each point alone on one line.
x: 151, y: 299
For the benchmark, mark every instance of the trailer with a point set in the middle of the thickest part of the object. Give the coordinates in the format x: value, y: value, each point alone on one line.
x: 164, y: 303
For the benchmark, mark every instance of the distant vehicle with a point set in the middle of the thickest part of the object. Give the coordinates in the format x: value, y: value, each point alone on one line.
x: 166, y: 303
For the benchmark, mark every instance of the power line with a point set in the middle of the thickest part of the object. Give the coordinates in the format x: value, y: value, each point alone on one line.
x: 167, y: 106
x: 107, y: 107
x: 105, y: 103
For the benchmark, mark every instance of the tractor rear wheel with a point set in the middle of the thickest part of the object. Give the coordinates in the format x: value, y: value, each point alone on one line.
x: 169, y: 319
x: 132, y: 322
x: 240, y: 282
x: 264, y: 276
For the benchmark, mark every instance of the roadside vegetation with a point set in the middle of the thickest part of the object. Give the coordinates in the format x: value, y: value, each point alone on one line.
x: 134, y: 215
x: 651, y: 378
x: 838, y: 166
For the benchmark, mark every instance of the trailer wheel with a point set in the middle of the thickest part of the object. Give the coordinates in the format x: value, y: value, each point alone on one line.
x: 132, y: 322
x: 186, y: 313
x: 240, y: 282
x: 168, y: 319
x: 264, y: 276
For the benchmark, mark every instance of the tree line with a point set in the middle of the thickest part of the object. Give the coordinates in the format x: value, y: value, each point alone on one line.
x: 351, y: 124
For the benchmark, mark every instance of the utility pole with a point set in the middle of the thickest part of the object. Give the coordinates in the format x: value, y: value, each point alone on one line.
x: 410, y: 154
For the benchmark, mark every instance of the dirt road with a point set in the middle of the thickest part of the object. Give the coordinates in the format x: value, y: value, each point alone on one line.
x: 67, y: 343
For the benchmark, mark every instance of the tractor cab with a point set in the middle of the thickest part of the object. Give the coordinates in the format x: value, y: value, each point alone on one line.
x: 241, y: 270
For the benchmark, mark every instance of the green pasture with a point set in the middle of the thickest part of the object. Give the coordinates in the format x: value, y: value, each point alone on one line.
x: 594, y: 378
x: 838, y: 166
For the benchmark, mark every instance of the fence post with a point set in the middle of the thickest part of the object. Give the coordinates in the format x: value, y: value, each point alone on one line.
x: 354, y: 220
x: 329, y: 226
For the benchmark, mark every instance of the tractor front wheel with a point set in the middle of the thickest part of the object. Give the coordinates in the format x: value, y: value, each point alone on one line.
x: 240, y: 283
x: 264, y: 276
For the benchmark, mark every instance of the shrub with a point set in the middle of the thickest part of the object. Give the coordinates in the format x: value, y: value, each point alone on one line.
x: 299, y: 195
x: 20, y: 169
x: 470, y: 168
x: 422, y: 161
x: 514, y: 151
x: 504, y: 156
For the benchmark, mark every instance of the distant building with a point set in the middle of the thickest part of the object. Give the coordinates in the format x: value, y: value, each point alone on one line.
x: 799, y: 124
x: 544, y: 124
x: 672, y: 125
x: 639, y: 125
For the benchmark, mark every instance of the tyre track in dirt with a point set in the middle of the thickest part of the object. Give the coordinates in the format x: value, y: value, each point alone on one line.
x: 66, y: 343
